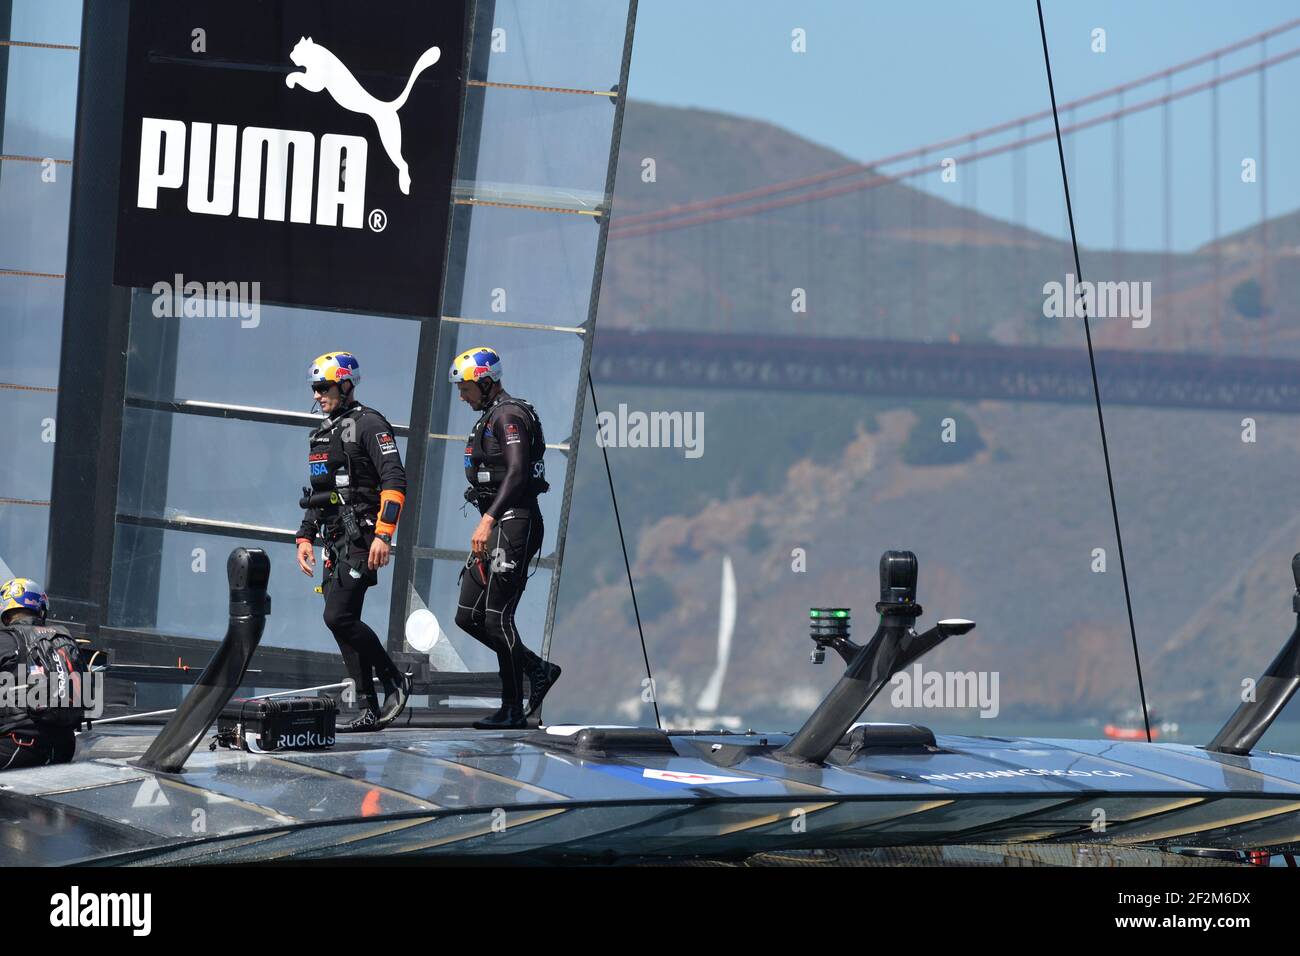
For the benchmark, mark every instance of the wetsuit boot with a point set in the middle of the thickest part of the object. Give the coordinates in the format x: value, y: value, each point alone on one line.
x: 368, y: 720
x: 397, y: 691
x: 509, y: 717
x: 542, y: 675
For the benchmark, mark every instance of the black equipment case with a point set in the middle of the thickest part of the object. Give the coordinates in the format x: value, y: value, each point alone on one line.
x: 278, y: 723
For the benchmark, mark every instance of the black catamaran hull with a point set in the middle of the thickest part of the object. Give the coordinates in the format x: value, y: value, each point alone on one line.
x: 634, y: 795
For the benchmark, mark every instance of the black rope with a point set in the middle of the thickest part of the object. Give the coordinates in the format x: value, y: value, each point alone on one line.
x: 1092, y: 361
x: 626, y: 564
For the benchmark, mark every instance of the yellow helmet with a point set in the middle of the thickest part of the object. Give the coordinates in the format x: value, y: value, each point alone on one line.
x: 23, y: 593
x: 480, y: 364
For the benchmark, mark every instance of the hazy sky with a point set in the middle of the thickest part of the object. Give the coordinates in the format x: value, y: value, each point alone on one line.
x: 878, y: 78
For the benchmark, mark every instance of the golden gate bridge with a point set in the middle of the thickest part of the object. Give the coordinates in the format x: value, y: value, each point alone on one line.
x: 919, y: 347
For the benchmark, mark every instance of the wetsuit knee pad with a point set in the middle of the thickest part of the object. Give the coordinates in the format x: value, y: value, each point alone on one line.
x: 499, y: 631
x: 469, y: 620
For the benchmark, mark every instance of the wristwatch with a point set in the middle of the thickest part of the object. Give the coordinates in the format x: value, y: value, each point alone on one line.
x: 386, y: 538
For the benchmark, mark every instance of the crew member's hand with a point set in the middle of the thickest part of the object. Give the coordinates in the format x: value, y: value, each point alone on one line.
x: 307, y: 558
x: 478, y: 543
x: 379, y: 551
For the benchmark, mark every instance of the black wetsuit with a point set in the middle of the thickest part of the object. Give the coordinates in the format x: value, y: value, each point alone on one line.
x: 23, y: 742
x: 356, y: 441
x: 503, y: 463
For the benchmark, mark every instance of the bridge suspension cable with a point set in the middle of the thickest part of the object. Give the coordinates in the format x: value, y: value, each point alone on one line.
x: 723, y: 207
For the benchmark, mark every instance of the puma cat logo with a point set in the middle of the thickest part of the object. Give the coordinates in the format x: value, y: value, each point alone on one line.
x: 322, y: 70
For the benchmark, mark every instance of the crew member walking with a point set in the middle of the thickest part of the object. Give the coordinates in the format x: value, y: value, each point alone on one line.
x: 358, y: 487
x: 506, y: 473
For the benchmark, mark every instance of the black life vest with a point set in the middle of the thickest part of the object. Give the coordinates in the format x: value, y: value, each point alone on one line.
x: 47, y: 655
x: 329, y: 455
x: 485, y: 470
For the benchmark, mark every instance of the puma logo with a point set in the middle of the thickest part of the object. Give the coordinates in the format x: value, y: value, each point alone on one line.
x: 322, y: 70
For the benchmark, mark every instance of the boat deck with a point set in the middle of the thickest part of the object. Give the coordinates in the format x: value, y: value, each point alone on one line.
x: 607, y: 793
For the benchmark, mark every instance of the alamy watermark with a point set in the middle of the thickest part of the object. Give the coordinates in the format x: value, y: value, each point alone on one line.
x: 49, y: 691
x: 651, y: 430
x: 209, y: 300
x: 958, y: 689
x: 75, y: 908
x: 1098, y: 300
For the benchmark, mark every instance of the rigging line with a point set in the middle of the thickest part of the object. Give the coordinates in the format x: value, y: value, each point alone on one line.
x: 654, y: 697
x: 1092, y: 362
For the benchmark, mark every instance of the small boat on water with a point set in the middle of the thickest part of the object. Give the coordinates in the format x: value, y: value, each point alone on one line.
x: 1130, y: 726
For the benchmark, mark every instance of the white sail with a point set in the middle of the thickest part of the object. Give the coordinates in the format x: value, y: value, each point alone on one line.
x: 712, y: 693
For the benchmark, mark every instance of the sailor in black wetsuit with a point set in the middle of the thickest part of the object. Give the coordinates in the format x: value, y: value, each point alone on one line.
x: 504, y: 466
x: 358, y: 487
x: 24, y: 740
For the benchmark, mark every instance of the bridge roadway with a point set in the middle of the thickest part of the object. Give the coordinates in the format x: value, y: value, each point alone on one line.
x: 947, y: 370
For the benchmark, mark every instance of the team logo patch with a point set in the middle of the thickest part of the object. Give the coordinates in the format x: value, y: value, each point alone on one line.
x: 512, y: 433
x: 386, y: 444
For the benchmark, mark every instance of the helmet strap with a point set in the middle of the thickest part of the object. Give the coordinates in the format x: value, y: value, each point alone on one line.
x: 484, y: 389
